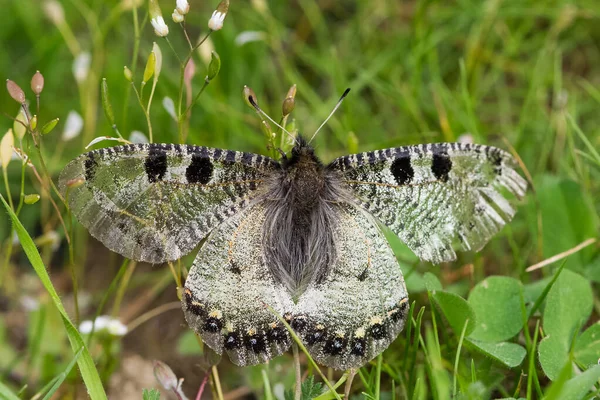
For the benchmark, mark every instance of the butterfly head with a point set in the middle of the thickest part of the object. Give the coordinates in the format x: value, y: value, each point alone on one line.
x: 302, y: 154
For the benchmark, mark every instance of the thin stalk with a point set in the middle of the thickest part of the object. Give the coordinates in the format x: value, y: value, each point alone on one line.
x: 136, y: 47
x: 217, y: 382
x: 298, y: 387
x: 122, y: 288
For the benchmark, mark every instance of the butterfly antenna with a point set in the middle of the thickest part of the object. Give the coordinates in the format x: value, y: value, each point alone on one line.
x: 339, y: 103
x: 264, y: 114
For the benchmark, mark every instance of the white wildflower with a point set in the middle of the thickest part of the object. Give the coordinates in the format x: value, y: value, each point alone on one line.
x: 177, y: 18
x: 54, y: 11
x: 104, y: 323
x: 215, y: 22
x: 116, y: 327
x: 81, y: 66
x: 183, y: 7
x: 73, y: 126
x: 160, y: 27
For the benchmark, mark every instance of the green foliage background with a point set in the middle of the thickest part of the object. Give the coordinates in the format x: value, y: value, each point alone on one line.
x: 514, y: 74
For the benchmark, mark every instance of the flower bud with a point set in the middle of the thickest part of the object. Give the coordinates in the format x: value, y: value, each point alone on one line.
x: 149, y: 70
x: 183, y: 7
x: 249, y: 93
x: 33, y: 122
x: 37, y: 83
x: 177, y: 18
x: 6, y: 149
x: 74, y: 183
x: 127, y: 73
x: 108, y: 111
x: 160, y: 27
x: 31, y: 198
x: 214, y: 67
x: 215, y: 22
x: 19, y: 126
x: 165, y: 375
x: 15, y: 91
x: 289, y: 103
x: 48, y: 126
x: 158, y: 53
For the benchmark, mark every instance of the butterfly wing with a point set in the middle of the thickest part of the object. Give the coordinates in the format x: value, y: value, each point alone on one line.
x: 228, y: 289
x: 361, y: 305
x: 436, y: 195
x: 155, y: 202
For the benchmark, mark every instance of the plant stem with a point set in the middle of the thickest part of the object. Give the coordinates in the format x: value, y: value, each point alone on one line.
x: 298, y: 387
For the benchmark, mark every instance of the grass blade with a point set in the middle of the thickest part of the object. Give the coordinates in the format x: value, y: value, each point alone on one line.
x: 88, y: 370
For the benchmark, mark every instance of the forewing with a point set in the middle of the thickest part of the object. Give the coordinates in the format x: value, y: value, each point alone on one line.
x: 361, y: 305
x: 437, y: 195
x: 155, y: 202
x: 229, y: 288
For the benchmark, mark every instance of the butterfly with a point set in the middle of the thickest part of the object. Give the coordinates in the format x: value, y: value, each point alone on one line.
x: 293, y: 238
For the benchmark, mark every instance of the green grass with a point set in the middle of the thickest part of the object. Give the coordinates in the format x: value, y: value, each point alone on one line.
x: 522, y: 75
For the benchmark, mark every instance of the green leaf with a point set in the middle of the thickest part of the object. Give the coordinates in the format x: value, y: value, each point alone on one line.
x: 509, y: 354
x: 432, y: 283
x: 6, y: 393
x: 576, y: 388
x: 553, y: 352
x: 457, y: 311
x: 152, y: 394
x: 497, y: 305
x: 568, y: 307
x: 310, y: 389
x: 587, y: 346
x: 86, y: 364
x: 568, y: 215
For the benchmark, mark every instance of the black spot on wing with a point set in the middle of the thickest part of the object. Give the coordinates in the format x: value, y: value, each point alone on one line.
x: 200, y: 170
x: 402, y: 169
x: 233, y: 340
x: 213, y: 324
x: 441, y: 166
x: 335, y: 346
x: 378, y: 331
x: 90, y: 164
x: 156, y: 164
x: 277, y: 334
x: 256, y: 343
x: 358, y: 347
x: 496, y: 160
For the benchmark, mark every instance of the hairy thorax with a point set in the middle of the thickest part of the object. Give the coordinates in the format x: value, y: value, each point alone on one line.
x: 301, y: 207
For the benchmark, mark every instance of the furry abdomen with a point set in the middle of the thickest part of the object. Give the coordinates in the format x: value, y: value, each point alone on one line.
x: 301, y: 210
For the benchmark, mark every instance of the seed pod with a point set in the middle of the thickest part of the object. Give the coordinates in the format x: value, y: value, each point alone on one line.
x: 48, y: 126
x: 108, y: 111
x: 31, y: 198
x: 37, y: 83
x: 15, y: 91
x: 214, y: 67
x: 249, y: 93
x: 127, y: 73
x: 33, y: 122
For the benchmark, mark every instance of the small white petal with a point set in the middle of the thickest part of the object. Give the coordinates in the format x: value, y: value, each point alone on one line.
x: 249, y: 36
x: 169, y: 106
x: 177, y: 18
x: 102, y: 322
x: 86, y: 327
x: 215, y: 22
x: 160, y: 27
x: 138, y: 137
x: 29, y: 303
x: 183, y: 7
x: 73, y: 126
x: 81, y: 66
x: 116, y: 328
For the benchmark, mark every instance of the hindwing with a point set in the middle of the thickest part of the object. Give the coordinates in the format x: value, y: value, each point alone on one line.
x: 436, y: 196
x: 155, y: 202
x: 344, y: 320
